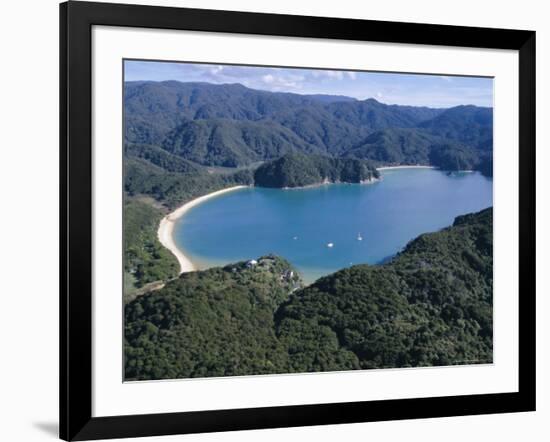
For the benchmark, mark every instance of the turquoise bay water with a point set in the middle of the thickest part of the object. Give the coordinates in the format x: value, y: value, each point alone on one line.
x: 297, y: 224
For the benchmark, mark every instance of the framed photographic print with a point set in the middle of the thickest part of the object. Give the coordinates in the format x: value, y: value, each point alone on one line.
x: 272, y: 220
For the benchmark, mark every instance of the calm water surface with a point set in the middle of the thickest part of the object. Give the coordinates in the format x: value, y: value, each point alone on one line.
x: 298, y: 224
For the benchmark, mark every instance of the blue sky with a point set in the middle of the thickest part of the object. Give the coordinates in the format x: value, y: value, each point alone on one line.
x: 407, y: 89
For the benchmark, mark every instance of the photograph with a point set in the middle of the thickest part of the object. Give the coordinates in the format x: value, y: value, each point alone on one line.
x: 286, y: 220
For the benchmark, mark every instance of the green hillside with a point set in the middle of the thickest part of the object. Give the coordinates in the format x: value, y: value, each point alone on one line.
x: 298, y: 170
x: 218, y: 322
x: 145, y: 259
x: 418, y: 146
x: 430, y: 305
x: 232, y: 143
x: 470, y: 125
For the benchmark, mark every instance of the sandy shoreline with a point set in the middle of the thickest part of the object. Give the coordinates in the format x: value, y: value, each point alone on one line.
x: 405, y: 167
x: 166, y: 228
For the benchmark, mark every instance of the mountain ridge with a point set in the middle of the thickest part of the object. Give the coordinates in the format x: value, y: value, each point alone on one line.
x: 231, y: 125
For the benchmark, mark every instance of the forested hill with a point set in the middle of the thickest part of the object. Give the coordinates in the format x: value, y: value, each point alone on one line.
x: 217, y: 322
x: 232, y: 126
x: 431, y: 305
x: 298, y: 170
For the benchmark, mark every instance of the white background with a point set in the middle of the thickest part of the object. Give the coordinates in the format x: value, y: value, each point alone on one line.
x: 29, y: 186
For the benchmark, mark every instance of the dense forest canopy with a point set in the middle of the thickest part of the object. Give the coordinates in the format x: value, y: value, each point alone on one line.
x: 430, y: 305
x: 217, y: 322
x: 298, y: 170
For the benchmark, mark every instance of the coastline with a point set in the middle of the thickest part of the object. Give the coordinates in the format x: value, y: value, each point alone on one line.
x: 323, y: 183
x: 415, y: 166
x: 166, y: 227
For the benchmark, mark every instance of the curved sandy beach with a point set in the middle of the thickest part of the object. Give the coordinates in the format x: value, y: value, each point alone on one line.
x: 166, y: 228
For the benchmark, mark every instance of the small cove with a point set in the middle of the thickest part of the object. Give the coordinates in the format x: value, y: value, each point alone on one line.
x: 365, y: 223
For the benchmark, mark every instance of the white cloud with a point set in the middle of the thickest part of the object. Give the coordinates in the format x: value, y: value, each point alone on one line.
x: 433, y: 90
x: 339, y: 75
x: 282, y: 82
x: 216, y: 70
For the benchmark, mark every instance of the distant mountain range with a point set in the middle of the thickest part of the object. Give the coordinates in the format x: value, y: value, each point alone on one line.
x: 231, y: 125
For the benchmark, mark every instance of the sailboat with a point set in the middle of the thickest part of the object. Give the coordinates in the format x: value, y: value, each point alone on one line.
x: 359, y: 237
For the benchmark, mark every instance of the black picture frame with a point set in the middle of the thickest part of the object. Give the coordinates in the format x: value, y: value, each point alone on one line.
x: 76, y: 21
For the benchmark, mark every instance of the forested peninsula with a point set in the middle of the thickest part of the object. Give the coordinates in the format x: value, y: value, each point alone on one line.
x: 299, y: 170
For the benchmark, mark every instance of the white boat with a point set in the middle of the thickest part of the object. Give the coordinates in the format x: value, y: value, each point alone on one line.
x: 330, y: 245
x: 359, y: 237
